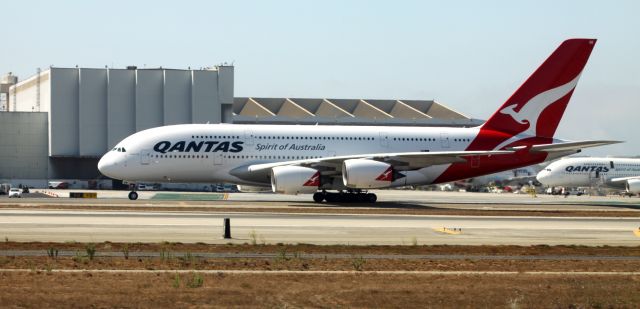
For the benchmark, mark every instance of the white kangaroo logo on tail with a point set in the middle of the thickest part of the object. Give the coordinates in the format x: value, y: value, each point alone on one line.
x: 531, y: 111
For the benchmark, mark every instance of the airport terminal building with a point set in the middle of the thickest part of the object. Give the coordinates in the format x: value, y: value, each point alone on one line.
x: 56, y: 124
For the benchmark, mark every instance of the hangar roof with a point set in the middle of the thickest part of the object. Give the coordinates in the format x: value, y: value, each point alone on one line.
x: 347, y: 111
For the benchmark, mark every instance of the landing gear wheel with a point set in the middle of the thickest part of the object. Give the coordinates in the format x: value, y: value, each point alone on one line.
x: 371, y: 198
x: 133, y: 195
x: 318, y: 197
x: 332, y: 197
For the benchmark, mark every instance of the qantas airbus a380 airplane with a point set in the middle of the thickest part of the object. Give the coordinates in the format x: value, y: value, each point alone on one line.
x: 352, y: 159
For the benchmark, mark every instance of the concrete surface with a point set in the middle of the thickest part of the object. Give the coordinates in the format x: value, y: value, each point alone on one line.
x: 191, y: 227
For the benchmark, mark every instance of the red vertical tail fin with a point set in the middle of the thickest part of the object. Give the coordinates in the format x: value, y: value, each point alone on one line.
x: 535, y: 109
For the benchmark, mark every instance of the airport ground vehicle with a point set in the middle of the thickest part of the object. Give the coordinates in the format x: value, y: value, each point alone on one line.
x: 350, y: 159
x: 15, y: 192
x: 4, y: 188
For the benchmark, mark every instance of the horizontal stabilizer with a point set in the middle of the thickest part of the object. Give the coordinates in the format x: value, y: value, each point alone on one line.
x: 568, y: 146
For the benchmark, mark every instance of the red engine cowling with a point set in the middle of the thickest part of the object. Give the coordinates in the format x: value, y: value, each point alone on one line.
x: 294, y: 180
x: 633, y: 186
x: 366, y: 174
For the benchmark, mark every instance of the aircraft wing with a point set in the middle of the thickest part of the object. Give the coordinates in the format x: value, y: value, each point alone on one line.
x: 619, y: 179
x: 333, y: 165
x: 566, y: 146
x: 403, y: 160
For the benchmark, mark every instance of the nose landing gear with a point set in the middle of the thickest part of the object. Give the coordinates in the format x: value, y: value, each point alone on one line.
x: 133, y: 195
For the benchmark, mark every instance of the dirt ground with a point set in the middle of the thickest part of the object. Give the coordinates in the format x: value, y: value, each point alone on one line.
x: 40, y: 285
x: 343, y: 249
x: 193, y: 290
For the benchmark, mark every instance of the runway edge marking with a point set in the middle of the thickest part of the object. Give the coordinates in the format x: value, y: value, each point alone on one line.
x: 445, y: 230
x: 332, y: 272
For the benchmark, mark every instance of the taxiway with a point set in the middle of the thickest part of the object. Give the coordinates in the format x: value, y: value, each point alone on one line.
x: 272, y: 227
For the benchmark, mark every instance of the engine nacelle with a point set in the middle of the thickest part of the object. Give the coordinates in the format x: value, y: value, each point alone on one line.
x: 366, y: 174
x: 633, y: 186
x: 294, y: 179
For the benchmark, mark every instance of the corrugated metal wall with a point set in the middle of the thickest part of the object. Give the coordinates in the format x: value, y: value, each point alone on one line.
x: 93, y: 109
x: 23, y: 151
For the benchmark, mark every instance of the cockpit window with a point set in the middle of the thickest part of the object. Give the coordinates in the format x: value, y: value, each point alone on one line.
x: 123, y: 150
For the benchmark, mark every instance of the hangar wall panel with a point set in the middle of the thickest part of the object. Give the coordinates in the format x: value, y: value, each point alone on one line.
x: 225, y: 84
x: 64, y: 117
x: 93, y: 112
x: 177, y: 95
x: 204, y: 98
x: 23, y: 151
x: 121, y: 106
x: 149, y: 99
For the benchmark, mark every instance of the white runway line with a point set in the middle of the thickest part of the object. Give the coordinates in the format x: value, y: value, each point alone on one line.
x: 335, y: 272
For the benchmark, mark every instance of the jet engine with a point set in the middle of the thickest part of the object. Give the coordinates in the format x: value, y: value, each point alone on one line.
x: 633, y: 186
x: 294, y: 179
x: 366, y: 174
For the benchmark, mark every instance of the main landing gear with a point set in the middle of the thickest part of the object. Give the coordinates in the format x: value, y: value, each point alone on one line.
x: 350, y: 196
x: 133, y: 195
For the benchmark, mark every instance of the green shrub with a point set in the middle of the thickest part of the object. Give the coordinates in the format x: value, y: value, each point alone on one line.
x: 196, y: 281
x: 125, y: 251
x: 52, y: 253
x: 358, y: 263
x: 176, y: 281
x: 91, y: 250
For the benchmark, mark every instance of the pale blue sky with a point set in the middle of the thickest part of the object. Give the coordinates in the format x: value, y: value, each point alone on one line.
x: 469, y: 55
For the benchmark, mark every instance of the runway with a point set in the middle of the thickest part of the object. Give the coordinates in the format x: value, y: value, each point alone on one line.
x: 192, y: 227
x: 386, y: 199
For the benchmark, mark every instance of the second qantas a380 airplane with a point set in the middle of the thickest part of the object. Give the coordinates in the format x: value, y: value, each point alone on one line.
x: 352, y: 159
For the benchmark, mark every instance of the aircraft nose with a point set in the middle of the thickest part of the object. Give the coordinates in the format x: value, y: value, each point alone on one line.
x: 108, y: 166
x: 542, y: 176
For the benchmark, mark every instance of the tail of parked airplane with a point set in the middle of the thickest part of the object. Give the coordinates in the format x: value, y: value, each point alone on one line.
x: 535, y: 109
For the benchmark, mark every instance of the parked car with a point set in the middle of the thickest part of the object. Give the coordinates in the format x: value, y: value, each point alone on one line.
x: 576, y: 191
x: 15, y: 192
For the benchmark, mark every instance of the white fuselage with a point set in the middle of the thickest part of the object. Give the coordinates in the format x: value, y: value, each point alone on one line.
x: 209, y: 152
x: 582, y: 172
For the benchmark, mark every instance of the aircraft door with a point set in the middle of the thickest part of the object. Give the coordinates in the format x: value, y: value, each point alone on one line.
x: 145, y: 157
x: 218, y: 158
x: 444, y: 140
x: 384, y: 139
x: 248, y: 137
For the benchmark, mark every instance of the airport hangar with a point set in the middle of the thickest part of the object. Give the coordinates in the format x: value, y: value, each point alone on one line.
x: 55, y: 125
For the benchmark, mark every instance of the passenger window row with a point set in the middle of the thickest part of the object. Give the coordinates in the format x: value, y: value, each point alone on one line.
x: 273, y: 157
x: 350, y: 138
x: 172, y: 156
x: 427, y: 139
x: 214, y: 136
